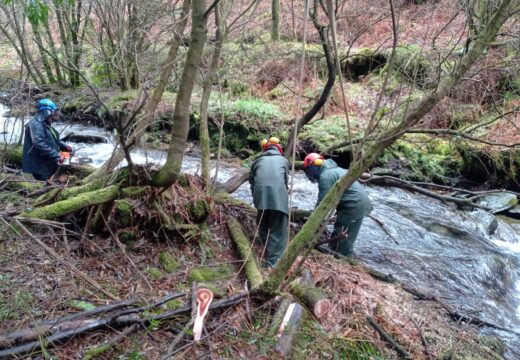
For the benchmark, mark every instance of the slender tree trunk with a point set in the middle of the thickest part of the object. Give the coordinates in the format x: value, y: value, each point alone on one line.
x: 26, y: 54
x: 169, y: 173
x: 50, y: 43
x: 64, y: 36
x: 309, y: 234
x: 43, y: 55
x: 208, y: 83
x: 18, y: 50
x: 275, y: 16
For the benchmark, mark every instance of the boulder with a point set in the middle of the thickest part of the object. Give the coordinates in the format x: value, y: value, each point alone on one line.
x: 497, y: 202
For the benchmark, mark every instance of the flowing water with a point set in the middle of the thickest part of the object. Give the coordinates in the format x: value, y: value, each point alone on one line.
x: 456, y: 254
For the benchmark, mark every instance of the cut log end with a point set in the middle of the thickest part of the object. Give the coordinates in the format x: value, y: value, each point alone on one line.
x: 322, y: 308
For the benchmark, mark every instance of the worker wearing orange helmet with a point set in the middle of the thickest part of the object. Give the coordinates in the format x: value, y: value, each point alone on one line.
x: 269, y: 179
x: 353, y: 206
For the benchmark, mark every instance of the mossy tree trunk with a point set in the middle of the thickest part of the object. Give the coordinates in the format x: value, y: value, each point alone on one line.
x: 275, y: 17
x: 206, y: 91
x: 309, y: 234
x: 169, y: 173
x: 246, y: 252
x: 83, y: 200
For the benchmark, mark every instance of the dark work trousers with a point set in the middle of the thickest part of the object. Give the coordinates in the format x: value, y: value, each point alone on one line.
x: 345, y: 246
x: 272, y: 224
x: 42, y: 177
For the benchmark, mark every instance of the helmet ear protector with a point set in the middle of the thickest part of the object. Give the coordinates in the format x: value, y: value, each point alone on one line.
x: 313, y: 159
x: 271, y: 141
x: 318, y: 162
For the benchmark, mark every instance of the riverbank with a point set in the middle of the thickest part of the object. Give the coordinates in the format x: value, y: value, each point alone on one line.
x: 35, y: 285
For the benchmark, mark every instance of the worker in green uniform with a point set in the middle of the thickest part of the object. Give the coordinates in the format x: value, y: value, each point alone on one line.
x: 269, y: 179
x: 352, y: 208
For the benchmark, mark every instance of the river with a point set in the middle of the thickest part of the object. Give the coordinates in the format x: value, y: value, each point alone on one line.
x: 455, y: 254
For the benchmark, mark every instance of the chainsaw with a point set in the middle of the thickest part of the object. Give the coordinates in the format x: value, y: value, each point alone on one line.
x: 68, y: 159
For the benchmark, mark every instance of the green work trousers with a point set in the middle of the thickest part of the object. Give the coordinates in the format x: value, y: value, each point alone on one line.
x: 345, y: 246
x: 272, y: 230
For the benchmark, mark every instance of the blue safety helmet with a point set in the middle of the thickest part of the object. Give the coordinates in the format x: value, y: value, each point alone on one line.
x: 46, y: 104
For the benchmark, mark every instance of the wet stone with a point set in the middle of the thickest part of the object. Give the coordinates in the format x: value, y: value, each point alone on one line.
x: 498, y: 202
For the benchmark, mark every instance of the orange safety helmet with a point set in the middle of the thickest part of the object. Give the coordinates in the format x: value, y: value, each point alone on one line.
x: 313, y: 159
x: 272, y: 141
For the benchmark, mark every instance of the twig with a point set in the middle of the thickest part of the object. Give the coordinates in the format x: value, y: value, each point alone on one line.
x: 382, y: 226
x: 76, y: 271
x: 69, y: 257
x: 178, y: 338
x: 423, y: 339
x: 95, y: 351
x: 388, y: 338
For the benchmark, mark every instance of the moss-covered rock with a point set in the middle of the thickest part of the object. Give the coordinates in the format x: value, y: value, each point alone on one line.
x: 494, y: 167
x: 421, y: 158
x: 326, y: 132
x: 362, y: 63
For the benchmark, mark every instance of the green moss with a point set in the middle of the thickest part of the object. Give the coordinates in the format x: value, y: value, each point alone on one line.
x: 173, y: 304
x: 500, y: 166
x: 168, y: 262
x: 154, y: 272
x: 412, y: 63
x: 96, y: 352
x: 423, y: 158
x: 210, y: 274
x: 199, y: 210
x: 124, y: 212
x: 127, y: 237
x: 331, y: 130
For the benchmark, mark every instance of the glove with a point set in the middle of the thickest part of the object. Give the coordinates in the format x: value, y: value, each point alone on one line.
x: 69, y: 148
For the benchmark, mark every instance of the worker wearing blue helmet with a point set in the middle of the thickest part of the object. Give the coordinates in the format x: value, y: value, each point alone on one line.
x: 42, y: 145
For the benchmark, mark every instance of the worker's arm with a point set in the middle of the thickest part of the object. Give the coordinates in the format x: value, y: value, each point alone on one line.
x: 324, y: 185
x: 252, y: 177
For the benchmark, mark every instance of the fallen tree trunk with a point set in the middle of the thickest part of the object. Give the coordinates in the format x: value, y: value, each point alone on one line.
x: 246, y: 253
x: 83, y: 200
x: 13, y: 156
x: 314, y: 298
x: 19, y: 183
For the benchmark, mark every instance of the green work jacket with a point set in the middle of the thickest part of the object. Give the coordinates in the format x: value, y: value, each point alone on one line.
x: 354, y: 202
x: 269, y: 179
